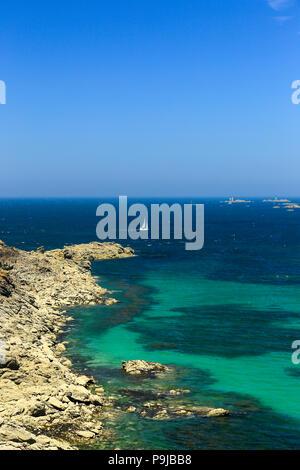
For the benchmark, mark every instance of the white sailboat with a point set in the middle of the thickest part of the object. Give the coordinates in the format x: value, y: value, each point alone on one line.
x: 144, y: 226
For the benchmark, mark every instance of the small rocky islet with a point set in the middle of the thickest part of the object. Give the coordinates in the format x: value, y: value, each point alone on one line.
x: 44, y: 404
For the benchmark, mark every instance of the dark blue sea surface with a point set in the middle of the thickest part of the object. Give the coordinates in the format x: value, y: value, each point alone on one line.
x: 224, y: 317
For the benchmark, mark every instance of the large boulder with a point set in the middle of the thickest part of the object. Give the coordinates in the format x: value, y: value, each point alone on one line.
x: 85, y: 381
x: 140, y: 367
x: 217, y: 412
x: 16, y: 434
x: 57, y: 404
x: 79, y: 394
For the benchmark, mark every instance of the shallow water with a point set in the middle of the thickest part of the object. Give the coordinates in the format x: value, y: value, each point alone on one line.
x: 224, y: 317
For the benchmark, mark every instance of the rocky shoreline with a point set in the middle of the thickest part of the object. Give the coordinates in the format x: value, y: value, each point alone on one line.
x: 43, y: 403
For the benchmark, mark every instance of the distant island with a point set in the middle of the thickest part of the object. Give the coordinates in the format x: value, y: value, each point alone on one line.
x: 291, y: 206
x: 276, y: 200
x: 283, y: 203
x: 236, y: 201
x: 278, y: 203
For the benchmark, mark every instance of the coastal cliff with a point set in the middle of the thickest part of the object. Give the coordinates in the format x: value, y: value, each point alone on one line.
x: 43, y: 403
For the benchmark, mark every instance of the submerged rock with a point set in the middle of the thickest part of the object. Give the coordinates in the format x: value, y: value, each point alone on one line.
x: 146, y: 394
x: 159, y: 411
x: 131, y: 409
x: 161, y: 405
x: 217, y: 412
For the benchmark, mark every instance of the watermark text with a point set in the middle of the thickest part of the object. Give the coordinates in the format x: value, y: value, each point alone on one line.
x: 2, y: 92
x: 296, y: 94
x: 136, y: 221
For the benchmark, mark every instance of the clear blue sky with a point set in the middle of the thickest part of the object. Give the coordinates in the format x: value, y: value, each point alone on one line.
x: 149, y: 97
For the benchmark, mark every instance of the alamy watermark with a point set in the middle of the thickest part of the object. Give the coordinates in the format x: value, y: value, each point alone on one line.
x: 2, y: 92
x: 296, y: 93
x: 137, y: 222
x: 296, y: 353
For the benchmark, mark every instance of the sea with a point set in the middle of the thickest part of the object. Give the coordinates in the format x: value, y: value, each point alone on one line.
x: 224, y: 318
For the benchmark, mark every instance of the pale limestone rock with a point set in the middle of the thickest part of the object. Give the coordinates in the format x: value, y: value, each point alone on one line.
x: 60, y: 348
x: 36, y: 288
x: 131, y: 409
x: 16, y: 434
x: 78, y: 393
x: 85, y: 381
x: 140, y: 367
x: 85, y: 434
x: 217, y: 412
x: 57, y: 404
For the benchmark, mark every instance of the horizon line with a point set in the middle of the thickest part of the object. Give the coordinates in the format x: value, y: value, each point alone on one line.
x: 146, y: 197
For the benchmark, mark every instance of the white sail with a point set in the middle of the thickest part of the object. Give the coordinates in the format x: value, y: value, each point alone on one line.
x: 144, y: 226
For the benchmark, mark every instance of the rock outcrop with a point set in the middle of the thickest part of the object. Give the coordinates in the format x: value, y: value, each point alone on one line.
x: 161, y: 404
x: 43, y: 403
x: 167, y: 405
x: 158, y: 411
x: 145, y: 368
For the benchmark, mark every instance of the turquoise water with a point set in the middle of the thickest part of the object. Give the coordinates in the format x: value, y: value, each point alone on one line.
x: 224, y: 318
x: 229, y: 344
